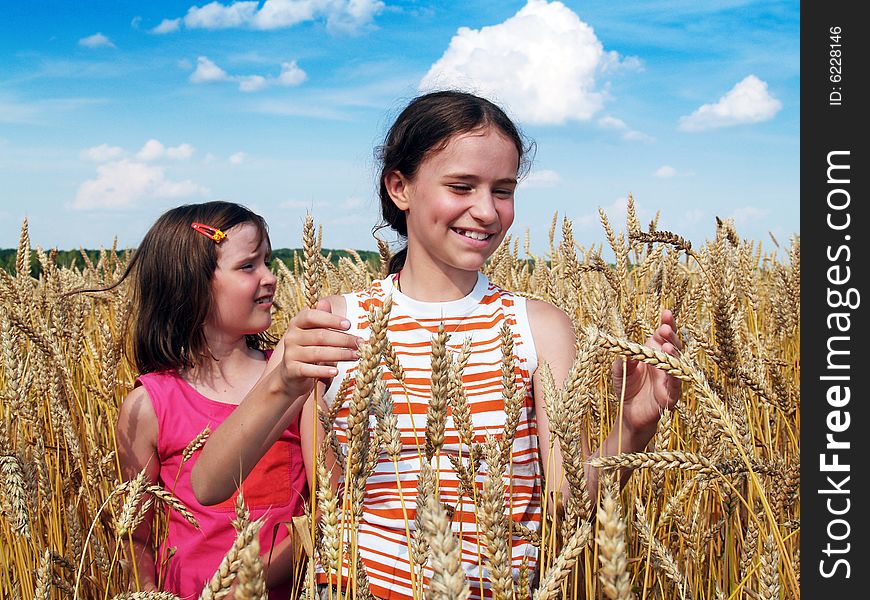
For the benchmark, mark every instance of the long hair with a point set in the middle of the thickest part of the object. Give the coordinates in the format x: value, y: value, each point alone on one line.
x: 426, y: 125
x: 171, y: 273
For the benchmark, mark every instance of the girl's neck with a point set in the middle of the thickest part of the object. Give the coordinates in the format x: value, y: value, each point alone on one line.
x: 229, y: 359
x: 431, y: 284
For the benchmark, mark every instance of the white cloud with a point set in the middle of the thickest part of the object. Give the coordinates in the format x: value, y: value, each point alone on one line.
x: 180, y: 152
x: 665, y: 172
x: 135, y: 22
x: 215, y: 15
x: 545, y: 178
x: 154, y: 150
x: 98, y: 40
x: 354, y: 15
x: 747, y: 102
x: 125, y: 183
x: 541, y: 63
x: 251, y: 83
x: 167, y: 26
x: 102, y: 153
x: 238, y: 158
x: 291, y: 74
x: 207, y: 71
x: 277, y: 14
x: 340, y: 15
x: 626, y: 132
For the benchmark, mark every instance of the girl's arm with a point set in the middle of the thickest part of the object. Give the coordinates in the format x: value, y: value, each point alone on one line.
x: 553, y: 334
x: 136, y: 440
x: 308, y: 352
x: 647, y: 391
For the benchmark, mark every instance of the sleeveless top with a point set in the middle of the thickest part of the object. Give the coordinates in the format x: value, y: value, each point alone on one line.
x: 275, y: 489
x: 382, y: 541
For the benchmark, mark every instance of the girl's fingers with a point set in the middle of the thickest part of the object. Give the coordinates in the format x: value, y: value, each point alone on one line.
x: 314, y: 319
x: 323, y: 354
x: 312, y: 371
x: 326, y: 337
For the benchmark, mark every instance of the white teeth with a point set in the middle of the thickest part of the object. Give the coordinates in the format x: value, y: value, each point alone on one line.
x: 475, y: 235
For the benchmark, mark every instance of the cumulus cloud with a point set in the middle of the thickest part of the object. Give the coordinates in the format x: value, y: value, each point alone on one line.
x: 207, y: 71
x: 155, y: 150
x: 180, y: 152
x: 238, y: 158
x: 665, y: 172
x: 544, y: 178
x: 124, y: 183
x: 542, y: 63
x: 98, y: 40
x: 167, y: 26
x: 747, y: 102
x: 626, y: 132
x: 339, y: 15
x: 251, y: 83
x: 291, y: 74
x: 102, y: 153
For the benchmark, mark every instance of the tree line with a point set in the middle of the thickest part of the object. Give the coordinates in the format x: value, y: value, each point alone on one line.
x: 79, y: 258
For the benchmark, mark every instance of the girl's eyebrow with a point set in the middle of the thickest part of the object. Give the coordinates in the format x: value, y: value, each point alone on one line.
x: 468, y: 177
x: 250, y: 256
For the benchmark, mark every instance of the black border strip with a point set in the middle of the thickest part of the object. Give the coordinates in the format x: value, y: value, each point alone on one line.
x: 834, y: 237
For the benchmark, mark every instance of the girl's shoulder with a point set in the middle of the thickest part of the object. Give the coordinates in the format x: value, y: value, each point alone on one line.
x: 552, y: 330
x: 137, y: 417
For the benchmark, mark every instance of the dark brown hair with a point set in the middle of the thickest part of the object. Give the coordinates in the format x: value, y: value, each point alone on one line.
x: 426, y: 125
x: 171, y: 273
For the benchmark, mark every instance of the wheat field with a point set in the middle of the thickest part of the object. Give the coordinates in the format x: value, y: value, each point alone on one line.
x: 711, y: 511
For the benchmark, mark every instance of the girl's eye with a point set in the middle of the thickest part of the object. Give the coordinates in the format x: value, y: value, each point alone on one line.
x: 460, y: 187
x: 504, y: 193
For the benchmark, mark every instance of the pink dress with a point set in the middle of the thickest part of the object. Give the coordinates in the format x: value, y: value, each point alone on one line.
x: 276, y: 488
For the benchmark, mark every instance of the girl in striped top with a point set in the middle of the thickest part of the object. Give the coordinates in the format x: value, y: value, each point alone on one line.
x: 450, y: 167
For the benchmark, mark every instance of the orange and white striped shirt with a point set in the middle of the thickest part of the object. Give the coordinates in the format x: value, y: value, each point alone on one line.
x: 382, y: 540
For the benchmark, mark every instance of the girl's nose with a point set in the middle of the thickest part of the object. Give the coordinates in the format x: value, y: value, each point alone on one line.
x: 269, y: 277
x: 483, y: 209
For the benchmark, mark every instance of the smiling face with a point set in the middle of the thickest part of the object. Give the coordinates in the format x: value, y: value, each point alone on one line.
x: 243, y: 286
x: 460, y: 203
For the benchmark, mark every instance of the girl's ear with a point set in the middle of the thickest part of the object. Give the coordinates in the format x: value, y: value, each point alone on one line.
x: 398, y: 188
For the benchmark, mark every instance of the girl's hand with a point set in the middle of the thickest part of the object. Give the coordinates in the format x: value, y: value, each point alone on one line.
x: 313, y: 343
x: 648, y: 391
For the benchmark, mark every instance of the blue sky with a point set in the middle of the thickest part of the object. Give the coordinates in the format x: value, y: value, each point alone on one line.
x: 113, y: 111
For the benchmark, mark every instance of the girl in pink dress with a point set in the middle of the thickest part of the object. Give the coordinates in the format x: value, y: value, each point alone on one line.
x: 203, y: 296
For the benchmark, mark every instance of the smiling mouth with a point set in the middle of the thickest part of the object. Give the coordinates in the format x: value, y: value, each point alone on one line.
x: 475, y: 235
x: 263, y: 300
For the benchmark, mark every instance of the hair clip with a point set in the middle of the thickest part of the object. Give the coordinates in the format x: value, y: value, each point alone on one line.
x: 216, y: 235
